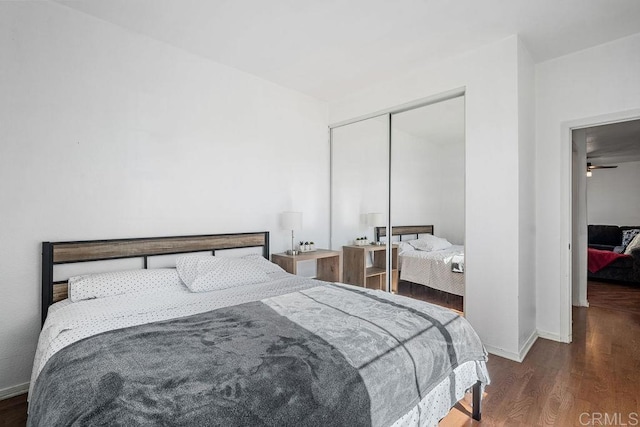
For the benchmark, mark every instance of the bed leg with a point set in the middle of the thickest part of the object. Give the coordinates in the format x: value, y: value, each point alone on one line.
x: 477, y: 398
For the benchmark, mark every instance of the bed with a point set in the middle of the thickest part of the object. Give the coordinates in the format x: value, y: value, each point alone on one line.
x: 441, y: 269
x: 285, y: 350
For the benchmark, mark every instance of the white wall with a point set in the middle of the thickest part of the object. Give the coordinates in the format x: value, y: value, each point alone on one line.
x: 490, y: 76
x: 588, y: 84
x: 108, y: 134
x: 613, y: 195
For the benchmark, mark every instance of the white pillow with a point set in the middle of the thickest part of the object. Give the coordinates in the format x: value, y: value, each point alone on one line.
x: 430, y: 243
x: 628, y: 235
x: 405, y: 247
x: 102, y: 285
x: 210, y: 273
x: 635, y: 244
x: 264, y: 264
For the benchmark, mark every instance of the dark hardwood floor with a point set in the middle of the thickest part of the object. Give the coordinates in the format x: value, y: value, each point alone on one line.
x: 13, y: 411
x: 581, y: 383
x: 434, y: 296
x: 587, y: 382
x: 619, y: 296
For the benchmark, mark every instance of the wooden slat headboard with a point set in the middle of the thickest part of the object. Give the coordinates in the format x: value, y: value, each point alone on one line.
x: 54, y: 253
x: 404, y: 230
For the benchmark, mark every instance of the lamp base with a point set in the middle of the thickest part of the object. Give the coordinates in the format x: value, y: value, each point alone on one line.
x: 292, y: 252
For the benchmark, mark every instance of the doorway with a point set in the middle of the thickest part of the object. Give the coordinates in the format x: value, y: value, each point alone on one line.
x: 604, y: 159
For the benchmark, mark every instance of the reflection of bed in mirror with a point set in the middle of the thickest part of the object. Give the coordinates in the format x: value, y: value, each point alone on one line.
x: 427, y: 261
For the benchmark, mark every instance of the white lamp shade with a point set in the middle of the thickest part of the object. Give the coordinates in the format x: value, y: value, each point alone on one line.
x: 375, y: 219
x: 291, y: 220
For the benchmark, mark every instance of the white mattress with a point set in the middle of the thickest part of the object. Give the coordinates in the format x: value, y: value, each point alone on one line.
x: 433, y: 269
x: 68, y: 322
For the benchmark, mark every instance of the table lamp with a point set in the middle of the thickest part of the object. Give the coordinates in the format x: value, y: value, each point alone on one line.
x: 291, y: 221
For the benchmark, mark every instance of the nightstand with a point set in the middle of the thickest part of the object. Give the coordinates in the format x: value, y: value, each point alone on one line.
x: 327, y: 263
x: 357, y: 273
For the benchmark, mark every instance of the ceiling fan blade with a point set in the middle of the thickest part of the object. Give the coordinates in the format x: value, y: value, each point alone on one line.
x: 603, y: 167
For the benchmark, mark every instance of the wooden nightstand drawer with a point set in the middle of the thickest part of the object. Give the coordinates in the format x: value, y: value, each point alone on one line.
x: 327, y: 263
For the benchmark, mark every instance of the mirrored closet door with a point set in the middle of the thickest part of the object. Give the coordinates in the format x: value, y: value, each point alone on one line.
x: 404, y: 168
x: 427, y: 200
x: 360, y: 199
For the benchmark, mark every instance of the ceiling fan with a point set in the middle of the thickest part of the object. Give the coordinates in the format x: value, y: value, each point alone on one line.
x: 591, y: 167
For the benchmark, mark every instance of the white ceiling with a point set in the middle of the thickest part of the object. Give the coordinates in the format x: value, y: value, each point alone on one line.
x: 331, y: 48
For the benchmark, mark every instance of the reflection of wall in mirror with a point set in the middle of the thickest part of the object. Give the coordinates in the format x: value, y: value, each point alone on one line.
x: 427, y: 184
x: 359, y: 178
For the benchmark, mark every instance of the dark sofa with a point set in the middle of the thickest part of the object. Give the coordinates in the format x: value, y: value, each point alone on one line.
x: 608, y: 237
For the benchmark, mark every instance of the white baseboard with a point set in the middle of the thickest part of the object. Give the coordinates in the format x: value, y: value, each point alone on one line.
x: 553, y: 336
x: 511, y: 355
x: 8, y: 392
x: 527, y: 345
x: 503, y: 353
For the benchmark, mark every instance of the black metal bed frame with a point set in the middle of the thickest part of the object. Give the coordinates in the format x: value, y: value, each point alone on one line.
x: 379, y: 231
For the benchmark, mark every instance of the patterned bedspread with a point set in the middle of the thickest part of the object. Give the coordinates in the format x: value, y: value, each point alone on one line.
x: 326, y: 354
x: 436, y: 269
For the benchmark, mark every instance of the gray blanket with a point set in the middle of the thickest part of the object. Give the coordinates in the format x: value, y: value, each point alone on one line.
x: 328, y: 355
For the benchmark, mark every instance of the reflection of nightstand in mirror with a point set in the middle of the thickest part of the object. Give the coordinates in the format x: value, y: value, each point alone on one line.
x: 327, y: 263
x: 357, y: 273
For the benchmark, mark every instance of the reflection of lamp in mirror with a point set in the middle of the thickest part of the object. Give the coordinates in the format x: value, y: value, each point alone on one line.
x: 375, y: 219
x: 291, y: 221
